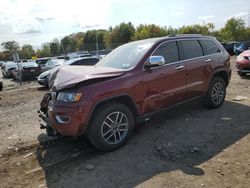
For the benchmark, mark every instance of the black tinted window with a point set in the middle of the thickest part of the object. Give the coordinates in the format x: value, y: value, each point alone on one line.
x: 91, y: 61
x: 169, y: 51
x: 190, y: 49
x: 209, y: 47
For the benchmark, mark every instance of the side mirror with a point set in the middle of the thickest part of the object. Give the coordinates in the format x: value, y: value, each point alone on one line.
x: 155, y: 61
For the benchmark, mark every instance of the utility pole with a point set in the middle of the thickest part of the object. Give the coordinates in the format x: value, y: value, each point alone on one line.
x: 16, y: 60
x: 97, y: 47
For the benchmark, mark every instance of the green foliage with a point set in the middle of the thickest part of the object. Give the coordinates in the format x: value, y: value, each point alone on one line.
x: 148, y: 31
x: 5, y: 55
x: 120, y: 34
x: 10, y: 45
x: 44, y: 51
x: 204, y: 29
x: 90, y: 40
x: 54, y: 47
x: 79, y: 41
x: 26, y: 52
x: 65, y: 45
x: 234, y: 30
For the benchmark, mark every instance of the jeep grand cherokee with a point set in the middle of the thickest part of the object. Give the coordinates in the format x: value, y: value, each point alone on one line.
x: 131, y: 83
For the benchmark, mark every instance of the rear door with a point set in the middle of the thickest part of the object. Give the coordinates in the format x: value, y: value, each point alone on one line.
x: 198, y: 67
x: 164, y: 85
x: 212, y: 55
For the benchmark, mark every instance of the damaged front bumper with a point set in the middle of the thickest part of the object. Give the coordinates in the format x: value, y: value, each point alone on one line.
x: 43, y: 114
x: 67, y: 119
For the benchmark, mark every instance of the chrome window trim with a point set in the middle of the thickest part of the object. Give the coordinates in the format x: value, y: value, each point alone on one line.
x: 181, y: 61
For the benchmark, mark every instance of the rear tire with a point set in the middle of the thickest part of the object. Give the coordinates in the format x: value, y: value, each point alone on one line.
x: 216, y: 93
x: 111, y: 126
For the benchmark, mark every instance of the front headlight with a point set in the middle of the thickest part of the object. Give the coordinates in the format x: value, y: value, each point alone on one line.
x: 240, y: 58
x: 69, y: 97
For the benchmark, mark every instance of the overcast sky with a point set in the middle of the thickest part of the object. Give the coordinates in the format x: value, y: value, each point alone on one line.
x: 38, y: 21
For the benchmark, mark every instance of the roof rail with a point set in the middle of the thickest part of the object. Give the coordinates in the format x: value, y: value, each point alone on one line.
x: 179, y: 35
x: 171, y: 35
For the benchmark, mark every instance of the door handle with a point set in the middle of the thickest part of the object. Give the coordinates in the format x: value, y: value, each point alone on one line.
x: 179, y: 67
x: 207, y: 60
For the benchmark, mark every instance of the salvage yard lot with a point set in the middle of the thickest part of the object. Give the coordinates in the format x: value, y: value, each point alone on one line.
x: 187, y: 146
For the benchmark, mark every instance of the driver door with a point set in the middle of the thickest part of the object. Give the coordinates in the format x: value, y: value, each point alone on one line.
x: 164, y: 85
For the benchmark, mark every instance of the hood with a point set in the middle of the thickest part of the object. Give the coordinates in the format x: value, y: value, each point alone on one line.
x: 69, y: 76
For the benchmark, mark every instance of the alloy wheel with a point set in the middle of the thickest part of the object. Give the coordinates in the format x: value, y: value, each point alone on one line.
x: 115, y: 127
x: 218, y: 92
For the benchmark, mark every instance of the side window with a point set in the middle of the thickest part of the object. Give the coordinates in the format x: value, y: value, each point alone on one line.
x: 79, y: 62
x: 93, y: 61
x: 209, y: 47
x: 169, y: 51
x: 190, y: 49
x: 89, y: 61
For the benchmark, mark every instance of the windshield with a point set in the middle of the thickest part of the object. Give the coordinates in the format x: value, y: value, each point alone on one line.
x: 126, y: 56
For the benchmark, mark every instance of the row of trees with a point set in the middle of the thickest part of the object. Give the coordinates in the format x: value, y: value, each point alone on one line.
x: 234, y: 30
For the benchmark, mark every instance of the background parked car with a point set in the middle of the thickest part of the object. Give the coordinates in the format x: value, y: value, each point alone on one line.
x: 86, y: 61
x: 230, y: 47
x: 8, y: 68
x: 28, y: 71
x: 243, y: 63
x: 50, y: 64
x: 239, y: 48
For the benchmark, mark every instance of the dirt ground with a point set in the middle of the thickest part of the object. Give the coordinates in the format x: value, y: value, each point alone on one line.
x: 186, y: 146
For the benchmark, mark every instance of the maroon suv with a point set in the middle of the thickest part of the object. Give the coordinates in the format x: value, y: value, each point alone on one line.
x: 131, y: 83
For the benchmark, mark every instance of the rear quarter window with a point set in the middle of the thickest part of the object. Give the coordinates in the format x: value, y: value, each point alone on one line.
x: 209, y: 47
x: 190, y: 49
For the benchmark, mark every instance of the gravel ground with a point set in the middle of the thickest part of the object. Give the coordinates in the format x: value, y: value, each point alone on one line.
x: 187, y: 146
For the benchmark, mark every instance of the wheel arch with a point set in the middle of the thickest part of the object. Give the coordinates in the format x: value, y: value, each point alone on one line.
x: 222, y: 74
x: 124, y: 99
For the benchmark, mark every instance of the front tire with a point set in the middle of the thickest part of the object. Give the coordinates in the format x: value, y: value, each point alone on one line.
x: 216, y: 93
x: 111, y: 126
